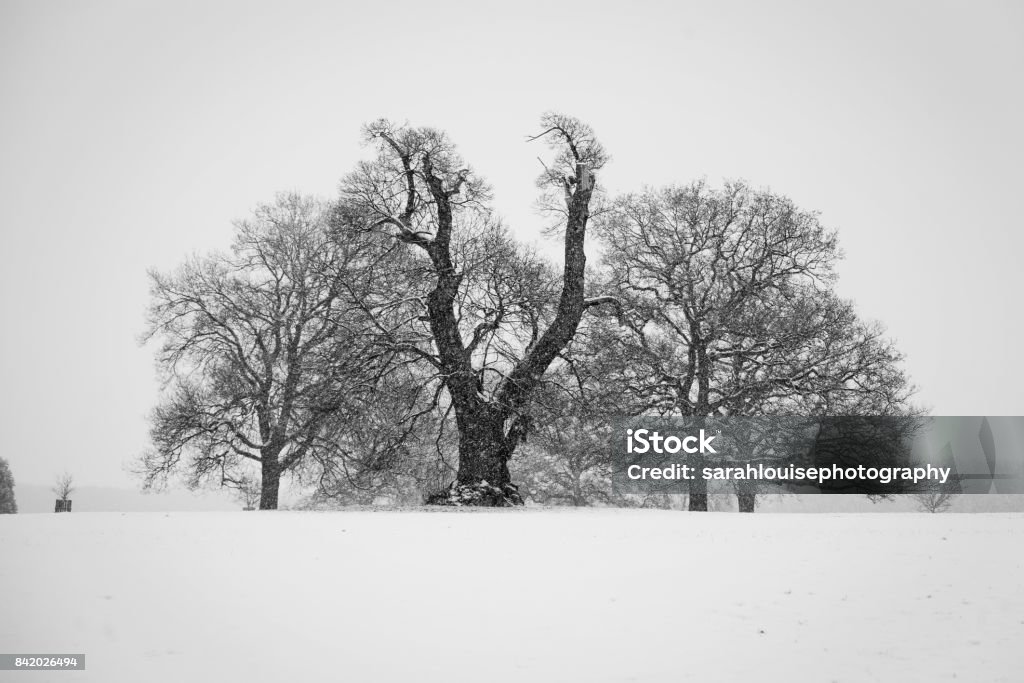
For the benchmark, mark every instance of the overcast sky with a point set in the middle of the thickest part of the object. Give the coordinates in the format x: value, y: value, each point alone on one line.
x: 131, y: 134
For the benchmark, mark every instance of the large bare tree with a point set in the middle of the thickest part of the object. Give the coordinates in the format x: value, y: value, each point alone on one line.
x: 488, y: 318
x: 265, y: 350
x: 729, y: 311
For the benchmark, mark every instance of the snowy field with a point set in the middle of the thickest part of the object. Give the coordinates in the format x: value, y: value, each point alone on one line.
x: 523, y: 595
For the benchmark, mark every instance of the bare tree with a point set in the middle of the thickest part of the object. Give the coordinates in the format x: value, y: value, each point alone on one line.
x: 488, y: 319
x: 395, y: 447
x: 8, y: 504
x: 567, y: 461
x: 264, y: 349
x: 934, y: 501
x: 730, y: 312
x: 249, y: 489
x: 64, y: 486
x: 934, y: 496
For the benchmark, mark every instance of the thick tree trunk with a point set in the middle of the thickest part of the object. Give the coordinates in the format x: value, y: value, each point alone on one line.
x: 747, y: 500
x: 270, y: 484
x: 483, y: 477
x: 482, y: 454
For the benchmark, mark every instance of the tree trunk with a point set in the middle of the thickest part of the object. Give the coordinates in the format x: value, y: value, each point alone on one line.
x: 483, y: 477
x: 698, y: 486
x: 578, y: 499
x: 482, y: 455
x: 271, y: 482
x: 747, y: 500
x: 698, y: 489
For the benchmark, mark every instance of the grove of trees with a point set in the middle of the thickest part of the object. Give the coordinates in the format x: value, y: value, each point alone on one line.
x: 397, y: 339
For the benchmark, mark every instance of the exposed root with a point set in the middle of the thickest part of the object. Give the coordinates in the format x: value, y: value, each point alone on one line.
x: 481, y: 494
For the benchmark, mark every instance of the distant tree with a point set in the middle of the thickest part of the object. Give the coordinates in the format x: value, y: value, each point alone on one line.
x: 729, y: 311
x: 63, y: 486
x: 248, y: 489
x: 934, y: 501
x: 868, y: 440
x: 566, y: 462
x: 934, y: 496
x: 769, y: 441
x: 8, y: 505
x: 265, y: 352
x: 398, y: 448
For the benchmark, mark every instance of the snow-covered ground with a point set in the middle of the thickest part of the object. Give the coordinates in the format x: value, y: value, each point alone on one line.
x: 522, y: 595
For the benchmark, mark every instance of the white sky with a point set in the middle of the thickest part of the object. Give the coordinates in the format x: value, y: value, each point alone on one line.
x: 131, y: 134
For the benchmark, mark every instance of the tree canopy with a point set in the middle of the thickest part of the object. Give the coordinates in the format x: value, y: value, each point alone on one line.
x: 399, y: 337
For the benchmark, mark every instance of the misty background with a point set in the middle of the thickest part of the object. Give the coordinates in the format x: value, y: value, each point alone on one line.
x: 132, y: 134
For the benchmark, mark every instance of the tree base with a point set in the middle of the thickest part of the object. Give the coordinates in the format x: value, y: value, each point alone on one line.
x: 480, y: 494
